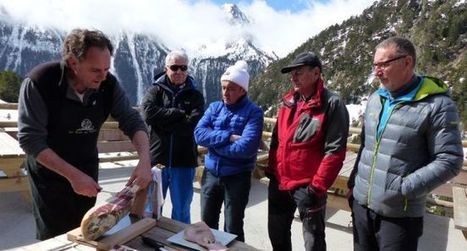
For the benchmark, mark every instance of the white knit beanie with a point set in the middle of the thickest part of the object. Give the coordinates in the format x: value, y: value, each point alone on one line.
x: 238, y: 73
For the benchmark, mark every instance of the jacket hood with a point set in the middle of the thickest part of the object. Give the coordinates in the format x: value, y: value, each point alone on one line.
x: 431, y: 86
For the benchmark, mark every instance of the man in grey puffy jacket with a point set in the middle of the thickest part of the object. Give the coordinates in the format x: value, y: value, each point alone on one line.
x: 410, y: 145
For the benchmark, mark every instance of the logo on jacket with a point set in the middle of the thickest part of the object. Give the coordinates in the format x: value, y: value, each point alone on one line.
x: 86, y: 127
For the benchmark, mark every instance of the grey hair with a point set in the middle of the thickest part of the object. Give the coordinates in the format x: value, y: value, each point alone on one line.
x: 176, y: 54
x: 403, y: 47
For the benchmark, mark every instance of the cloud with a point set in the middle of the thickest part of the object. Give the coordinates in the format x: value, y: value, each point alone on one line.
x: 188, y: 24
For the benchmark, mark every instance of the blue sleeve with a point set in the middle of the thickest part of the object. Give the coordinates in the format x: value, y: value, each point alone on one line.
x: 247, y: 146
x: 205, y: 135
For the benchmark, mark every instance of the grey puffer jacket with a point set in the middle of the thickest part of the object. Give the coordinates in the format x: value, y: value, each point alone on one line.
x: 418, y: 150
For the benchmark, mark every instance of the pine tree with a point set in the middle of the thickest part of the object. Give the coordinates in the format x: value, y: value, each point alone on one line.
x: 10, y: 83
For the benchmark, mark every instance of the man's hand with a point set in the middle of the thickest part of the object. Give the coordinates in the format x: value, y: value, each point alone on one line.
x: 308, y: 201
x: 141, y: 175
x: 84, y: 185
x: 234, y: 137
x: 80, y: 182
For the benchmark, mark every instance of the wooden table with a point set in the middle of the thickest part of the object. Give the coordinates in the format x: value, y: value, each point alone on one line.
x: 165, y: 228
x: 12, y: 156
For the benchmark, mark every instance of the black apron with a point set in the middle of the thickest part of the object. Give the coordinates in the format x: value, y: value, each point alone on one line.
x: 73, y: 130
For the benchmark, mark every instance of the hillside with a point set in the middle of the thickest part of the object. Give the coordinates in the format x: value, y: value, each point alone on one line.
x: 437, y: 28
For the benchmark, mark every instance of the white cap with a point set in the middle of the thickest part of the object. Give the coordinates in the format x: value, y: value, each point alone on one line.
x: 238, y: 73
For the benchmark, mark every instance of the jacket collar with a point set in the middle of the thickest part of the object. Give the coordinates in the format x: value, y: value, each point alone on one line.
x: 164, y: 82
x: 292, y: 97
x: 240, y: 103
x: 427, y: 86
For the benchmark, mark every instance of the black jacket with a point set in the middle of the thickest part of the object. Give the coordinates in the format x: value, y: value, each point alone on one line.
x: 171, y: 114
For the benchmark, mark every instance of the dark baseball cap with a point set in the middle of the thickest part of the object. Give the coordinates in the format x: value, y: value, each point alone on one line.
x: 304, y: 58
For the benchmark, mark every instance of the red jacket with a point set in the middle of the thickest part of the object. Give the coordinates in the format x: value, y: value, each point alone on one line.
x: 309, y: 140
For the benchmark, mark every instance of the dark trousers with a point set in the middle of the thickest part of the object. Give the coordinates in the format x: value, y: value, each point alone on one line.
x: 281, y: 209
x: 57, y: 209
x: 375, y: 232
x: 233, y: 191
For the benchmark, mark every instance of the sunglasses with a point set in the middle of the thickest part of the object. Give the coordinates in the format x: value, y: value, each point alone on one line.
x: 177, y: 67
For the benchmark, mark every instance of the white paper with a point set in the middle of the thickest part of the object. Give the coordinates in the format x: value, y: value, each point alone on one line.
x: 221, y: 237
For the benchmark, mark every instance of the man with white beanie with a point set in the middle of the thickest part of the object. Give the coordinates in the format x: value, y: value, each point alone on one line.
x: 231, y: 130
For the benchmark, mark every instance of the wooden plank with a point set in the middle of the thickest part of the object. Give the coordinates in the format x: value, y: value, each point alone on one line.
x: 115, y: 146
x: 461, y: 178
x: 11, y: 166
x: 16, y: 184
x: 9, y: 147
x: 171, y: 225
x: 9, y: 106
x: 117, y: 156
x: 444, y: 190
x: 262, y: 157
x: 338, y: 202
x: 460, y: 208
x: 112, y: 135
x: 122, y: 236
x: 165, y: 225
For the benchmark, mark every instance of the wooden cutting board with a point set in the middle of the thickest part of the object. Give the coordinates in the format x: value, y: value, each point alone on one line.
x: 118, y: 238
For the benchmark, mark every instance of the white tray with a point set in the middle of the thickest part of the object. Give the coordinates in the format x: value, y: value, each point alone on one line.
x: 222, y: 237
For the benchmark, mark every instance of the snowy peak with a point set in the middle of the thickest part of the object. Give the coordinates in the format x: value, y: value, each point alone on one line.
x: 137, y: 56
x: 234, y: 15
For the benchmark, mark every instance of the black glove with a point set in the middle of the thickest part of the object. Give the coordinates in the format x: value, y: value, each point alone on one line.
x: 308, y: 201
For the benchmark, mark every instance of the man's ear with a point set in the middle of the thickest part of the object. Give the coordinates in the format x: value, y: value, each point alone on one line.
x: 409, y: 61
x: 317, y: 71
x: 72, y: 63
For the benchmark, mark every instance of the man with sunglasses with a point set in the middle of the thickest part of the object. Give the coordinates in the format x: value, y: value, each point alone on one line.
x: 410, y: 145
x: 171, y: 109
x: 307, y: 151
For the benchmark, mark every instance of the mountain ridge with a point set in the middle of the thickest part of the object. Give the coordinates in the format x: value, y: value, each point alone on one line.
x: 137, y: 56
x: 437, y: 28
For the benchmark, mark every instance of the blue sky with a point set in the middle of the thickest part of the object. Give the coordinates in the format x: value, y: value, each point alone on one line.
x: 278, y: 5
x: 277, y: 26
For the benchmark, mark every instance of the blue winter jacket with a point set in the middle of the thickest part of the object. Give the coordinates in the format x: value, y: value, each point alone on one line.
x: 213, y: 131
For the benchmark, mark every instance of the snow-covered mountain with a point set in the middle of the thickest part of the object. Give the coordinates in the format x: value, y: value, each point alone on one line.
x: 137, y: 56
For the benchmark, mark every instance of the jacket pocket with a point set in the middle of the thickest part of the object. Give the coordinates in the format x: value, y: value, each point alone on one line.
x: 308, y: 126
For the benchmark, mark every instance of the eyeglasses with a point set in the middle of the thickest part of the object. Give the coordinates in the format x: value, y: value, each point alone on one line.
x: 175, y: 67
x: 385, y: 64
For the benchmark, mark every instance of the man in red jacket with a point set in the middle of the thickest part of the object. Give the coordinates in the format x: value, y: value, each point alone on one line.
x: 307, y: 150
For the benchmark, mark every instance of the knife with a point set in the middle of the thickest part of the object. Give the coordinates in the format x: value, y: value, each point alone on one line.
x: 157, y: 245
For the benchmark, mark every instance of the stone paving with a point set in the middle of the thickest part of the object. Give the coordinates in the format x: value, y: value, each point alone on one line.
x: 17, y: 224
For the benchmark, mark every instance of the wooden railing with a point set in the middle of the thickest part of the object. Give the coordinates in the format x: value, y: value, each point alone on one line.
x: 114, y: 146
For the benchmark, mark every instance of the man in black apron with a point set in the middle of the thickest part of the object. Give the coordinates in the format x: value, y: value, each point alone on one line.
x: 62, y: 106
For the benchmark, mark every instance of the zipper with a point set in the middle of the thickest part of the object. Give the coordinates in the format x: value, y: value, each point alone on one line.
x: 172, y: 105
x: 375, y: 153
x: 406, y: 204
